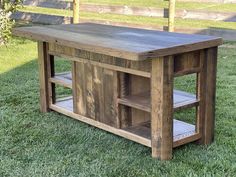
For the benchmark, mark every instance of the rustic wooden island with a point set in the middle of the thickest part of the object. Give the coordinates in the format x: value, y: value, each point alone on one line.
x: 122, y: 81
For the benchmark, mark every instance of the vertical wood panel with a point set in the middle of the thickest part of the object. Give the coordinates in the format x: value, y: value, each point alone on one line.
x: 162, y: 108
x: 110, y: 98
x: 90, y: 108
x: 98, y: 92
x: 80, y: 89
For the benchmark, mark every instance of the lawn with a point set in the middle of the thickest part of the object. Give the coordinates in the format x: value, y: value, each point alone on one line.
x: 36, y: 144
x: 164, y: 4
x: 134, y: 19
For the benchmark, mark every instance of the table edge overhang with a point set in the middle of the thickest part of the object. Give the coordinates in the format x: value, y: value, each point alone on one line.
x: 152, y: 54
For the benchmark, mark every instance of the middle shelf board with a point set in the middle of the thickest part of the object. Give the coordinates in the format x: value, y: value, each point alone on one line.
x: 142, y: 101
x: 64, y: 79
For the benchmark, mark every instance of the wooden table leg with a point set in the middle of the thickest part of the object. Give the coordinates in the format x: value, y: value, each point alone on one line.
x: 43, y: 76
x: 207, y: 90
x: 162, y: 108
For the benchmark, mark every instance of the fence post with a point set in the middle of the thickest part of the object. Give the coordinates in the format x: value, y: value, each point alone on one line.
x: 75, y: 11
x: 171, y: 19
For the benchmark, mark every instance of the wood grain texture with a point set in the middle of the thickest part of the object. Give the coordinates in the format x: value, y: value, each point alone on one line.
x: 108, y: 63
x: 125, y: 115
x: 74, y: 86
x: 208, y: 114
x: 43, y: 76
x: 80, y: 89
x: 76, y: 4
x: 187, y: 63
x: 97, y: 93
x: 110, y: 98
x: 142, y: 100
x: 138, y: 85
x: 90, y: 107
x: 131, y: 136
x: 201, y: 92
x: 123, y: 42
x: 182, y: 132
x: 171, y: 19
x: 162, y: 107
x: 62, y: 79
x: 51, y: 73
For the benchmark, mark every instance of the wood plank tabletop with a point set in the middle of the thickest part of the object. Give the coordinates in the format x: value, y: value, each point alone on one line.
x: 123, y: 42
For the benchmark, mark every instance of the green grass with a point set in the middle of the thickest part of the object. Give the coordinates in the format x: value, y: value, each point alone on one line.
x: 134, y: 19
x: 50, y: 144
x: 164, y: 4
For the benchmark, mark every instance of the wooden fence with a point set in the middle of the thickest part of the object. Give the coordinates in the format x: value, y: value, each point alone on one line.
x: 127, y: 10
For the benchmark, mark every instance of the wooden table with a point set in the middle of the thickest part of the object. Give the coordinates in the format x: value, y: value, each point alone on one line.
x: 122, y: 81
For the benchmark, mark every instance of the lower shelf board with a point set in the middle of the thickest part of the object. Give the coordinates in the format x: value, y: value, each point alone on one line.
x: 66, y: 103
x: 182, y: 132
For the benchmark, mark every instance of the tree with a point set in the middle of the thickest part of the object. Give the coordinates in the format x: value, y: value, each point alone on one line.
x: 7, y: 7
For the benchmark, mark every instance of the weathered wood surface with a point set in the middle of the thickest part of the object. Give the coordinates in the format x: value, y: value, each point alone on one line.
x: 96, y: 90
x: 43, y: 76
x: 171, y: 16
x: 76, y: 10
x: 182, y: 132
x: 162, y: 107
x: 185, y: 63
x: 63, y: 79
x: 128, y: 43
x: 139, y: 68
x: 51, y: 73
x: 108, y: 90
x: 208, y: 87
x: 142, y: 100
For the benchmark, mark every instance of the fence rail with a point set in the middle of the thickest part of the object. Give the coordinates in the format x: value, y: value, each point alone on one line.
x: 138, y: 11
x: 128, y: 10
x: 70, y: 2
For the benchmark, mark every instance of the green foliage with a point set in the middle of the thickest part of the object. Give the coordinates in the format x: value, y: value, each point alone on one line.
x: 7, y: 7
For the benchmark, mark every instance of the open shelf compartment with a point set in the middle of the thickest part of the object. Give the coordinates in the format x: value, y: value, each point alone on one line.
x: 142, y: 101
x: 182, y: 132
x: 139, y: 101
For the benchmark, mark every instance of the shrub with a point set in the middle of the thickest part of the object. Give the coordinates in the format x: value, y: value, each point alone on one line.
x: 7, y: 7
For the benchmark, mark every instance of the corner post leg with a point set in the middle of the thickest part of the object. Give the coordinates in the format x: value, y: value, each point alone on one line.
x: 162, y: 107
x: 208, y: 92
x: 47, y: 91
